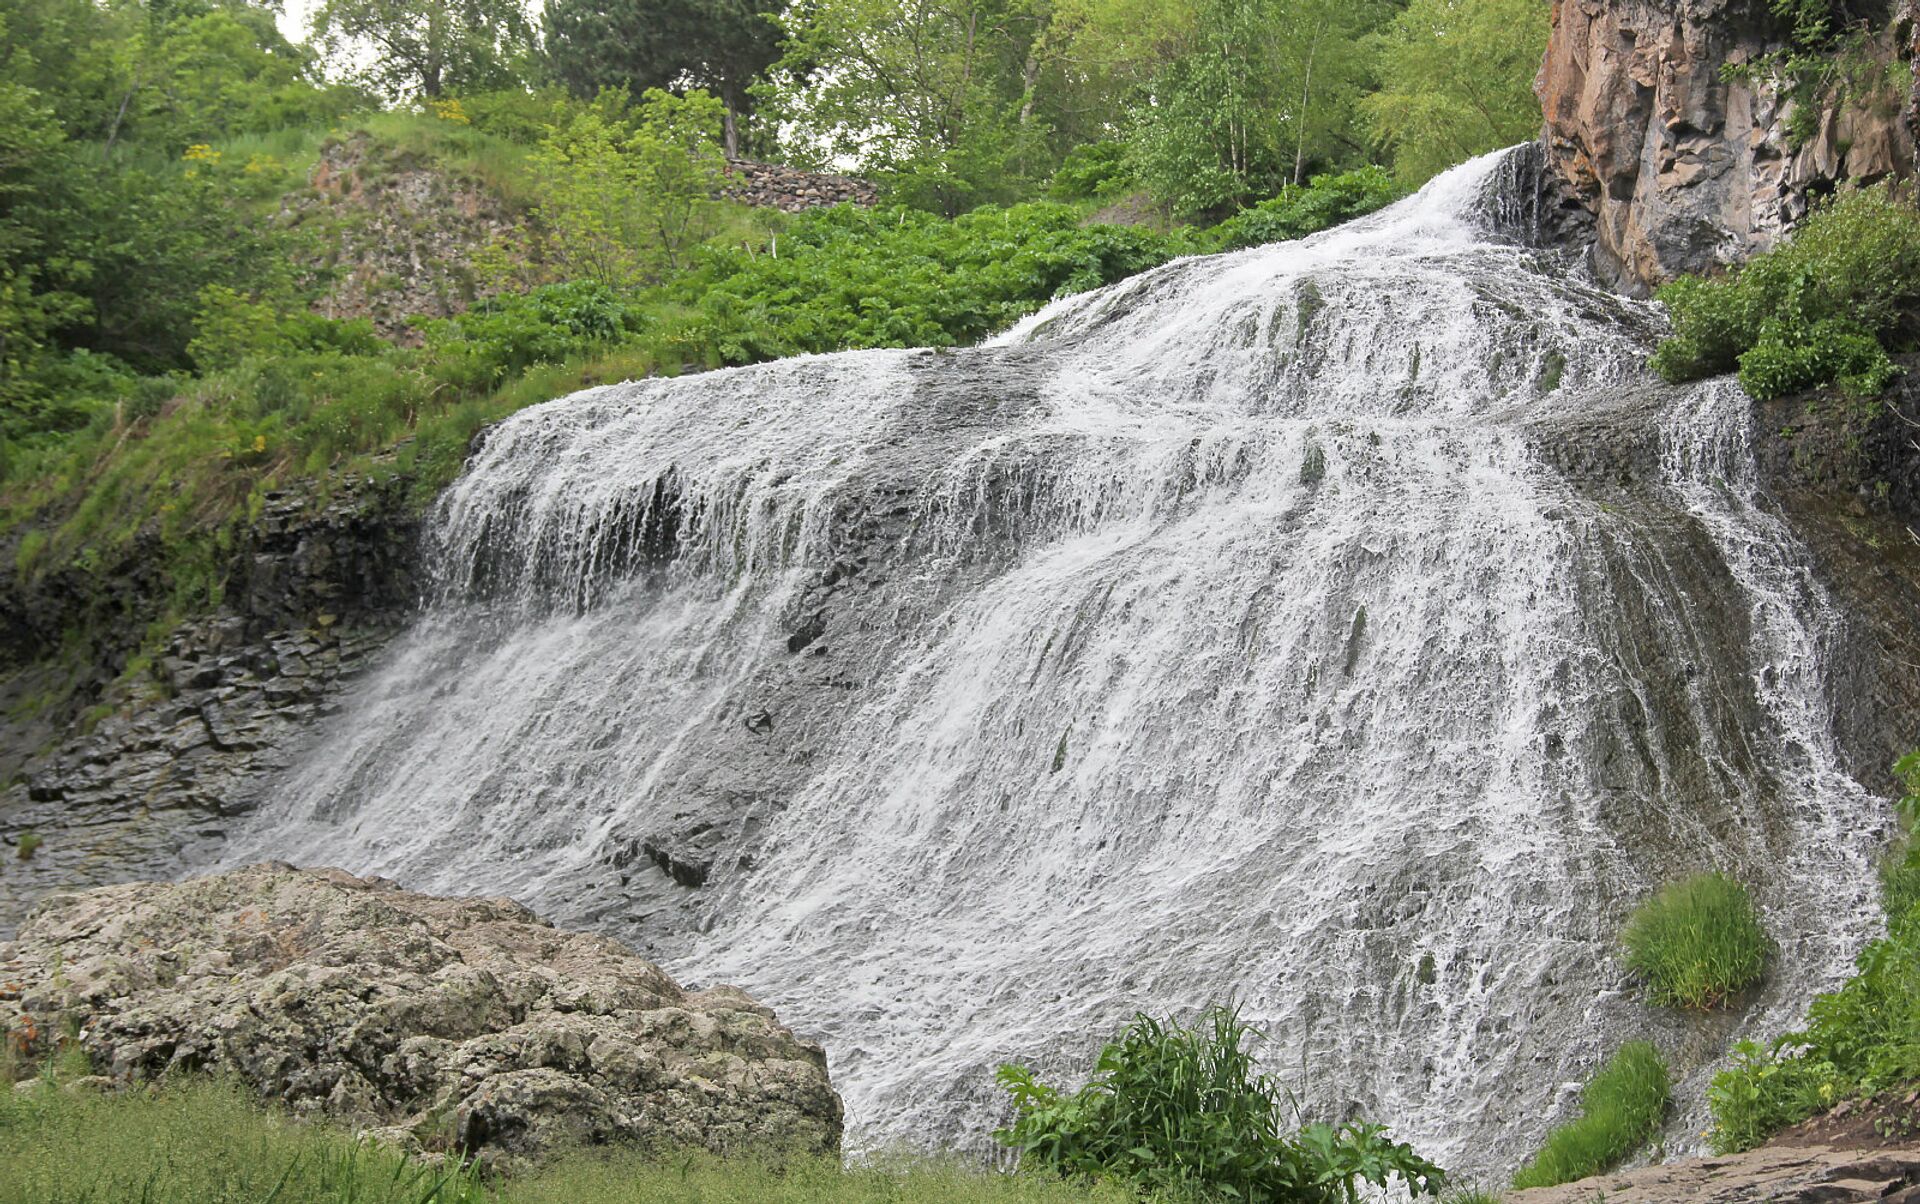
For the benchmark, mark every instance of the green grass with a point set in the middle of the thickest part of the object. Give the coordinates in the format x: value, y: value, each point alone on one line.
x: 1697, y: 942
x: 704, y: 1179
x: 206, y: 1142
x: 1621, y: 1108
x: 1859, y: 1040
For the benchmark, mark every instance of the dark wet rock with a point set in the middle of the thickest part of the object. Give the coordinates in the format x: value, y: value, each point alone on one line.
x: 421, y: 1019
x: 315, y: 587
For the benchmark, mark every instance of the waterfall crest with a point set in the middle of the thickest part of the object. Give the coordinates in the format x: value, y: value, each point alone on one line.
x: 1346, y: 626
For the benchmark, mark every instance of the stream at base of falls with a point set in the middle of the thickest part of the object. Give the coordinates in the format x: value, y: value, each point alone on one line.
x: 1349, y: 627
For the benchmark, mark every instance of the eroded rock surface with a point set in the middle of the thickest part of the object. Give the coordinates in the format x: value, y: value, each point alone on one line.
x: 464, y: 1024
x: 1686, y: 167
x: 1775, y: 1174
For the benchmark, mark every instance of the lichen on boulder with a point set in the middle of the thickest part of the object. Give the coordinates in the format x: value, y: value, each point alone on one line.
x: 461, y: 1024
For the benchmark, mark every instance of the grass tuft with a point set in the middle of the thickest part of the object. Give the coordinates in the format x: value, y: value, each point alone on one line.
x: 1697, y: 942
x: 202, y: 1141
x: 1621, y: 1108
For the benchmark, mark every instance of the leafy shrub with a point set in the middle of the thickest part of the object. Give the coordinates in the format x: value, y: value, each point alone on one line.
x: 1764, y: 1091
x: 846, y: 278
x: 1180, y: 1110
x: 504, y: 336
x: 1860, y: 1039
x: 1621, y: 1108
x: 1828, y: 305
x: 1090, y: 172
x: 1696, y: 942
x: 1299, y: 210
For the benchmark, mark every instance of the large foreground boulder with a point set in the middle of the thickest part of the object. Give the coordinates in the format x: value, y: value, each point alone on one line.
x: 466, y: 1024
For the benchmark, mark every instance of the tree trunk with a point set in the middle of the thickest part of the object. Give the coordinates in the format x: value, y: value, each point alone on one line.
x: 730, y: 131
x: 1306, y: 102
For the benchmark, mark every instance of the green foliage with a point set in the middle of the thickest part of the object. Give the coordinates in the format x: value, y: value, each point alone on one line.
x: 930, y: 97
x: 1766, y: 1089
x: 851, y: 278
x: 25, y: 845
x: 65, y: 1145
x: 1860, y: 1039
x: 195, y: 1141
x: 721, y: 46
x: 1181, y: 1111
x: 704, y: 1179
x: 1621, y: 1108
x: 624, y: 206
x: 1826, y: 306
x: 1456, y: 80
x: 427, y: 47
x: 1091, y: 171
x: 1259, y: 90
x: 503, y: 337
x: 1303, y: 209
x: 1696, y: 942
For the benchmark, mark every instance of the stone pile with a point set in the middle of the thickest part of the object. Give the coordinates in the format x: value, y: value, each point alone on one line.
x: 772, y: 186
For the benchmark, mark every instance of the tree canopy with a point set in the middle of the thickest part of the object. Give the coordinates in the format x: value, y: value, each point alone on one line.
x: 721, y: 46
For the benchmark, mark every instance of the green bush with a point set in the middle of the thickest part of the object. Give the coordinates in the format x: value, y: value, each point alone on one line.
x: 1826, y: 306
x: 1091, y: 172
x: 846, y: 277
x: 1696, y: 942
x: 1323, y: 202
x: 1859, y: 1040
x: 502, y: 337
x: 1621, y: 1108
x: 1180, y: 1111
x: 1765, y: 1090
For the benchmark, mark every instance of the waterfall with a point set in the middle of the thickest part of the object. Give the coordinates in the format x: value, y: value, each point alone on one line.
x: 1348, y: 627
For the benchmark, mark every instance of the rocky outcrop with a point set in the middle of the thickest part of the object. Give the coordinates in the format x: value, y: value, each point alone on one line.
x: 464, y: 1025
x: 136, y: 767
x: 1770, y: 1174
x: 773, y: 186
x: 1687, y: 162
x: 398, y: 235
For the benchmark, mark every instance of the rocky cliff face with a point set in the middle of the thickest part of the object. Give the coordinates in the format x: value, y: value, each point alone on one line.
x: 444, y: 1024
x: 164, y: 756
x: 1664, y: 124
x: 399, y: 235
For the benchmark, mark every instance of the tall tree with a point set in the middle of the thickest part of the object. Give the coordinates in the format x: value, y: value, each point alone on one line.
x: 428, y: 47
x: 1248, y: 95
x: 931, y: 94
x: 1457, y: 81
x: 721, y: 46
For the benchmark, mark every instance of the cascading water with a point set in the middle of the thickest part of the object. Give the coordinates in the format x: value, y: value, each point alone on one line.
x: 1347, y: 627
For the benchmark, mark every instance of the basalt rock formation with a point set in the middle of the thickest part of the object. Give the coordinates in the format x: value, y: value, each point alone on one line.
x: 120, y: 772
x: 465, y: 1024
x: 1666, y: 124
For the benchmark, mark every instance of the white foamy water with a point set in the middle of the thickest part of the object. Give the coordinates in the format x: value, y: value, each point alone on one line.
x: 1294, y: 626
